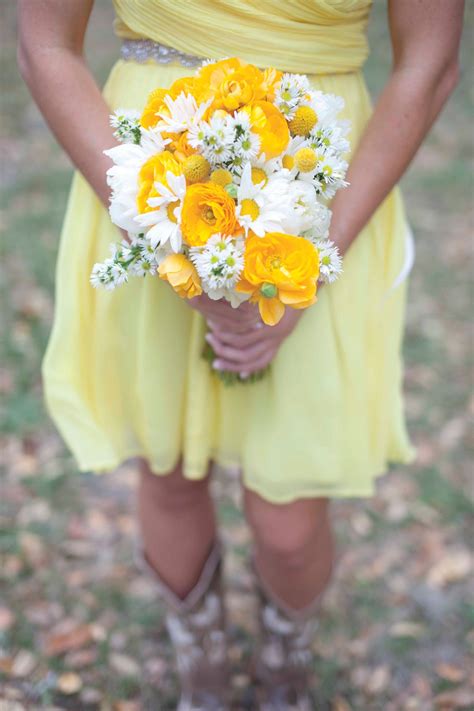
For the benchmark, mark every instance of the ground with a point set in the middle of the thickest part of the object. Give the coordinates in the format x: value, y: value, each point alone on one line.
x: 79, y: 629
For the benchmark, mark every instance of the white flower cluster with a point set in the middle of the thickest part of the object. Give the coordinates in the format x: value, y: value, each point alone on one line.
x: 127, y: 125
x: 291, y: 93
x: 135, y: 258
x: 226, y: 140
x: 219, y: 264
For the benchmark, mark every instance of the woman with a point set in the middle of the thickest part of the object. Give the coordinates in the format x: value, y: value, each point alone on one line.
x: 123, y: 372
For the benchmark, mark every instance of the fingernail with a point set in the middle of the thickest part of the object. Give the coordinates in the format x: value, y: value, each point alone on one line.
x: 244, y: 375
x: 217, y: 364
x: 208, y: 337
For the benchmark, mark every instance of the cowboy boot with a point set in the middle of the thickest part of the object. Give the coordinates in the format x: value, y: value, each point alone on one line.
x: 197, y: 629
x: 284, y: 659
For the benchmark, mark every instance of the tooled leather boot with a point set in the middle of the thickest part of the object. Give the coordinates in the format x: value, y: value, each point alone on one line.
x: 283, y: 662
x: 197, y: 629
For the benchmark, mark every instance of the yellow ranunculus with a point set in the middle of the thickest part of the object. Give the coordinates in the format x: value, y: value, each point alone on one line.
x: 181, y: 274
x: 271, y: 78
x: 155, y: 103
x: 154, y: 170
x: 280, y: 270
x: 270, y: 124
x: 179, y: 145
x: 230, y: 83
x: 207, y: 209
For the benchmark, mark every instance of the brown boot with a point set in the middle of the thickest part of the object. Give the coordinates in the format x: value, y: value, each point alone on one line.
x: 197, y: 628
x: 284, y: 658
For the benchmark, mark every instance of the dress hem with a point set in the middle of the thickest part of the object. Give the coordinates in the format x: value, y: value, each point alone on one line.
x: 317, y: 492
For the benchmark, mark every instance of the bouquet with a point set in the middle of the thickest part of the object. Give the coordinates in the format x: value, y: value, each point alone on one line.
x: 222, y: 184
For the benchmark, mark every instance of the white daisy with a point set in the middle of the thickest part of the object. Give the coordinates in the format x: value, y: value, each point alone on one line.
x: 257, y: 208
x: 326, y: 106
x: 330, y: 261
x: 183, y: 113
x: 330, y: 138
x: 214, y: 139
x: 165, y: 223
x: 128, y: 159
x: 247, y: 147
x: 330, y: 173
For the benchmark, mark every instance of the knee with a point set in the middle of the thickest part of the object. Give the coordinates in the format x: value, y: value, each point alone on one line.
x: 173, y: 490
x: 291, y: 533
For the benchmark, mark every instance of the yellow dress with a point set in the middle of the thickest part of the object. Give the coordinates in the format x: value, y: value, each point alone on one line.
x: 123, y: 371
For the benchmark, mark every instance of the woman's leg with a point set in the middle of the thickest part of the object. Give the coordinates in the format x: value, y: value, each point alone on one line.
x: 179, y: 538
x: 178, y: 526
x: 293, y: 547
x: 293, y: 562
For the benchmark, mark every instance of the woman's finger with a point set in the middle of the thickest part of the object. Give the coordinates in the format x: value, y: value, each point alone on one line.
x: 219, y: 325
x: 240, y: 339
x: 246, y: 369
x: 228, y: 354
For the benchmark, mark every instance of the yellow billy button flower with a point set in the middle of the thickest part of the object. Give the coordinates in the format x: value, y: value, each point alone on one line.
x: 306, y: 160
x: 280, y: 270
x: 181, y: 273
x: 196, y: 169
x: 221, y: 176
x: 303, y: 121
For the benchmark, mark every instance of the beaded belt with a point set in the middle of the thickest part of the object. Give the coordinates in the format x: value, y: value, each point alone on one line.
x: 141, y: 50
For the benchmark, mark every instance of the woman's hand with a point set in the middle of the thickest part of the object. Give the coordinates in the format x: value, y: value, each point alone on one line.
x: 248, y: 351
x: 240, y: 320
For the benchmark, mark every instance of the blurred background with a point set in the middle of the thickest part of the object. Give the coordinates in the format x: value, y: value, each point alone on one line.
x: 79, y: 629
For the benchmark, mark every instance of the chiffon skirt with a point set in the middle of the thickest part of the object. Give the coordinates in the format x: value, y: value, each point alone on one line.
x: 124, y: 375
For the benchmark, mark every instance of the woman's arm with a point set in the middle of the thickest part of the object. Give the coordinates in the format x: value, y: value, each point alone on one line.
x: 425, y: 41
x: 50, y: 56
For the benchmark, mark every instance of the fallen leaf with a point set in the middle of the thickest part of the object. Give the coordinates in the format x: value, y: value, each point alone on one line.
x: 32, y: 548
x: 81, y: 658
x: 69, y: 683
x: 378, y: 680
x: 455, y: 699
x: 127, y: 706
x: 91, y: 696
x: 77, y: 637
x: 123, y: 665
x: 23, y: 664
x: 450, y: 672
x: 453, y: 567
x: 78, y: 548
x: 6, y: 664
x: 361, y: 524
x: 6, y: 705
x: 7, y: 619
x: 407, y: 629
